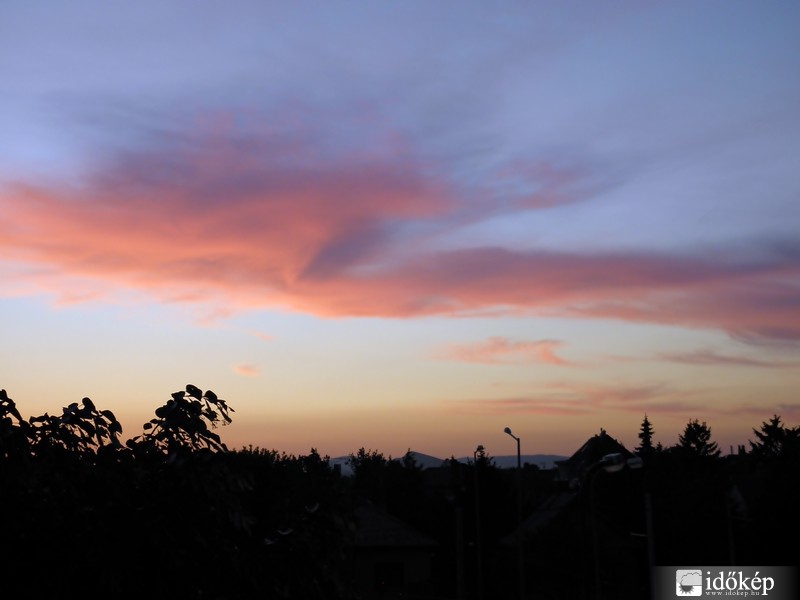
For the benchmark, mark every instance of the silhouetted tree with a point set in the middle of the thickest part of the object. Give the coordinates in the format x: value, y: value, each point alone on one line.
x: 776, y: 440
x: 367, y: 462
x: 81, y: 430
x: 696, y: 440
x: 482, y: 458
x: 302, y: 524
x: 409, y: 462
x: 182, y: 425
x: 369, y: 473
x: 200, y: 521
x: 14, y: 440
x: 645, y: 447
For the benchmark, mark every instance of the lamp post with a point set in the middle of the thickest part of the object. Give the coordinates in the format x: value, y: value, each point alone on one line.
x: 520, y: 538
x: 478, y: 547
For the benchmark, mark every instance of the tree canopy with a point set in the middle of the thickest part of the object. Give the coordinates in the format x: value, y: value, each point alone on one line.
x: 775, y: 440
x: 696, y: 440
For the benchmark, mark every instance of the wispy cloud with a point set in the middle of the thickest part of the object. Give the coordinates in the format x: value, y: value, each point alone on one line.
x: 262, y: 336
x: 707, y: 357
x: 241, y: 223
x: 501, y: 350
x: 566, y: 398
x: 518, y: 405
x: 247, y: 370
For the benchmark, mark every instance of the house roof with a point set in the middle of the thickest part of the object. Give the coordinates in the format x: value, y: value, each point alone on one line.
x: 541, y: 516
x: 377, y: 528
x: 595, y: 448
x: 592, y: 451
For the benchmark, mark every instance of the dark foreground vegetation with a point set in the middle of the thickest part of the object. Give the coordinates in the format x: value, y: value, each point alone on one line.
x: 172, y: 513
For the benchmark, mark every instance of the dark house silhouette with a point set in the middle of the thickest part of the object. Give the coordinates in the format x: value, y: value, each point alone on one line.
x: 389, y: 558
x: 569, y: 474
x: 595, y: 448
x: 554, y: 530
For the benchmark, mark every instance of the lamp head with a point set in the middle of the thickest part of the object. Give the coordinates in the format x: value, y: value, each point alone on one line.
x: 613, y: 462
x: 507, y: 430
x: 635, y: 462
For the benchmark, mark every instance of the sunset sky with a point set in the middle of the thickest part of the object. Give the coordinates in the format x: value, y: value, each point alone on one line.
x: 405, y: 224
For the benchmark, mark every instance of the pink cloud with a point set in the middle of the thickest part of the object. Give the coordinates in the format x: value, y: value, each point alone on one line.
x: 262, y: 336
x: 238, y: 224
x: 211, y: 224
x: 246, y: 370
x: 500, y: 350
x: 565, y: 398
x: 625, y: 397
x: 518, y: 406
x: 686, y: 409
x: 711, y: 358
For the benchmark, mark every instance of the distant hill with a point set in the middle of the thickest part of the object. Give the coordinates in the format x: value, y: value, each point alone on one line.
x: 543, y: 461
x: 426, y: 461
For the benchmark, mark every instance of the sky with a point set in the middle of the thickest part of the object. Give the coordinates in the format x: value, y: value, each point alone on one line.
x: 405, y: 225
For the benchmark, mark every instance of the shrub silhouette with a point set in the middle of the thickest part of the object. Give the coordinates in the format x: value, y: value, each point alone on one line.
x: 181, y: 426
x: 170, y: 514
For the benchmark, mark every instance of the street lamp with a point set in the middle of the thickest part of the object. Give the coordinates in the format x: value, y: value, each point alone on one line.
x: 478, y: 547
x: 521, y: 557
x: 508, y: 431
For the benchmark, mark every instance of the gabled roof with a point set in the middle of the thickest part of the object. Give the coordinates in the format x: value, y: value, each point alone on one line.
x: 595, y: 448
x: 377, y: 528
x: 541, y: 516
